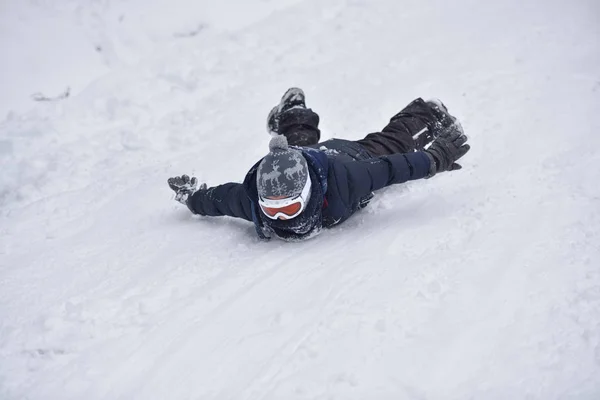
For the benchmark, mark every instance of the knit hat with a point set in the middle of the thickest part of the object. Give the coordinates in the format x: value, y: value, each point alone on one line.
x: 283, y: 172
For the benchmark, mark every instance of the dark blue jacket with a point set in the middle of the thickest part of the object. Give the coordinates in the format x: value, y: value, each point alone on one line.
x: 346, y: 173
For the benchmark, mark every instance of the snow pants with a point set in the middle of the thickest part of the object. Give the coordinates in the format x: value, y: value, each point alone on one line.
x: 301, y: 128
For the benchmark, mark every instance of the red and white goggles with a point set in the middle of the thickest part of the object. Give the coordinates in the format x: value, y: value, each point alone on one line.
x: 286, y: 208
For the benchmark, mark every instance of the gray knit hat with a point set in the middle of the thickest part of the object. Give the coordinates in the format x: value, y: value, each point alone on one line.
x: 283, y: 172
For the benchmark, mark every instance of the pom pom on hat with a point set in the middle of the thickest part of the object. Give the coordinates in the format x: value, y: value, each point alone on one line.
x: 278, y: 143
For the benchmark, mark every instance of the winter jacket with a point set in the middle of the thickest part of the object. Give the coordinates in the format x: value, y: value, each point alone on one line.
x: 346, y: 173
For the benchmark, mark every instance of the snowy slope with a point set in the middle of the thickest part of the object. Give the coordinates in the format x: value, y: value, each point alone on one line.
x: 478, y: 284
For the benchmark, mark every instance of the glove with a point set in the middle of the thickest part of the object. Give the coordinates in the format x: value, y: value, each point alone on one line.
x: 446, y: 149
x: 184, y: 187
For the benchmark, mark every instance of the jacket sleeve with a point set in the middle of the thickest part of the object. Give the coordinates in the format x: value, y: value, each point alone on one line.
x: 357, y: 179
x: 229, y: 199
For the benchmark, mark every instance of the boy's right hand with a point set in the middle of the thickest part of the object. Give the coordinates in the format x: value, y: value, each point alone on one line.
x: 184, y: 187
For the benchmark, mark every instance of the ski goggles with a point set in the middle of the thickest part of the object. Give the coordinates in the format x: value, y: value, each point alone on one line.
x: 286, y: 208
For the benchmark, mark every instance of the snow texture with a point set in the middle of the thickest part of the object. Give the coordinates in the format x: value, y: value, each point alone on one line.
x: 482, y: 283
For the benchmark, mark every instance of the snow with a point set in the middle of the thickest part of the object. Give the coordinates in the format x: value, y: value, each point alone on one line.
x: 483, y: 283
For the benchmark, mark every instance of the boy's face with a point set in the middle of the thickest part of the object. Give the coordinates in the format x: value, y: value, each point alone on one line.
x: 285, y: 208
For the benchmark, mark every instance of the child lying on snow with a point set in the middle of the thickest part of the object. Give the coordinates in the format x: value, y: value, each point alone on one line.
x: 296, y: 190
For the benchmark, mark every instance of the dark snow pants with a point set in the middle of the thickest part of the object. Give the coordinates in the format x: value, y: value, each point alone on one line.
x: 301, y: 128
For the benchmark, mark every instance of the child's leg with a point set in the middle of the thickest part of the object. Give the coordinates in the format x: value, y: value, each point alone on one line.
x: 300, y: 126
x: 408, y: 130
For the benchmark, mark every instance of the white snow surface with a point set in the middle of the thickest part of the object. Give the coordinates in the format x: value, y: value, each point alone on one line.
x: 478, y: 284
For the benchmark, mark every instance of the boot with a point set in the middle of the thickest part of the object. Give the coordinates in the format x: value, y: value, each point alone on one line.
x: 292, y: 99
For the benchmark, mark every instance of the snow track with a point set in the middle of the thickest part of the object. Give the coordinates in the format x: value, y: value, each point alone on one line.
x: 482, y: 283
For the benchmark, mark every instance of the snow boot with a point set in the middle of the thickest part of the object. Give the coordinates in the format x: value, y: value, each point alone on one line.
x: 439, y: 120
x: 444, y: 119
x: 293, y: 99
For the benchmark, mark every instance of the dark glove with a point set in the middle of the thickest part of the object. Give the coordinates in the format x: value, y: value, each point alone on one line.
x: 184, y: 187
x: 446, y: 149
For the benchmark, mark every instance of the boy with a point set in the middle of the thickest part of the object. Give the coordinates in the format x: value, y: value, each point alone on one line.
x: 302, y: 185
